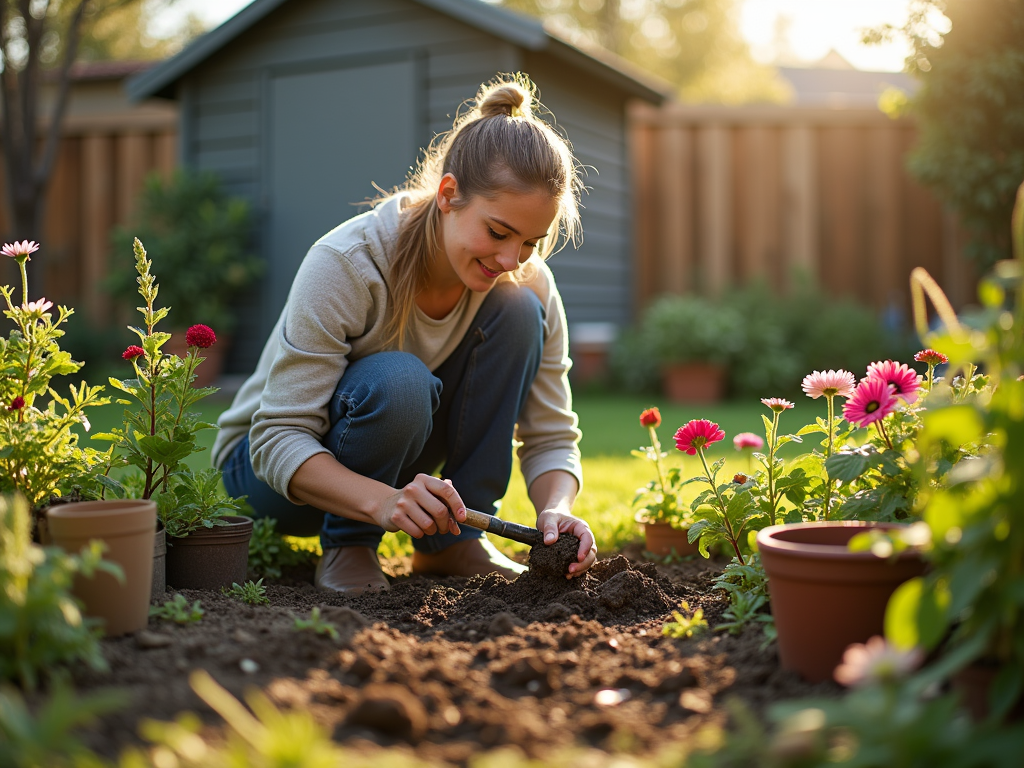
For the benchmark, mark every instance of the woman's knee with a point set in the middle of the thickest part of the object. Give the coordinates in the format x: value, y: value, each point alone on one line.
x: 388, y: 387
x: 517, y: 312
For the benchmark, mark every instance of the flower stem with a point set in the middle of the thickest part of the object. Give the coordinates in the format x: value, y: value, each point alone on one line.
x: 656, y: 445
x: 880, y: 426
x: 827, y: 501
x: 721, y: 505
x: 773, y: 442
x: 24, y: 280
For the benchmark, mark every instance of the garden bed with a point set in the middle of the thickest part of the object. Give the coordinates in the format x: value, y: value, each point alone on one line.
x: 452, y: 667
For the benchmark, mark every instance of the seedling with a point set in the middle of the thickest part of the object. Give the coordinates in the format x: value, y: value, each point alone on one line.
x: 178, y: 610
x: 316, y: 624
x: 251, y: 593
x: 685, y: 626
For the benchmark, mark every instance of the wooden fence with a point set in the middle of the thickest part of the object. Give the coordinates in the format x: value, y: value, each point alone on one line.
x: 727, y: 194
x: 102, y: 164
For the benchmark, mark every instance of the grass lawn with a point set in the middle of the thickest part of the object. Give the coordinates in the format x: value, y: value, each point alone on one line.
x: 611, y: 428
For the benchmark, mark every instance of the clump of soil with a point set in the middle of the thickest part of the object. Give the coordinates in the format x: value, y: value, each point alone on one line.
x: 554, y: 560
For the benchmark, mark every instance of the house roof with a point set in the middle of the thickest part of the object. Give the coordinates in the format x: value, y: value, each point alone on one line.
x: 834, y: 82
x: 518, y: 29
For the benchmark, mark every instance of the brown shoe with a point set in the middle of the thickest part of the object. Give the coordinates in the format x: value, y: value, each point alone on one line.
x: 350, y: 570
x: 473, y: 557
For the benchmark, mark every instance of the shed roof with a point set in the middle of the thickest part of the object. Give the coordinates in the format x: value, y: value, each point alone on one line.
x: 515, y: 28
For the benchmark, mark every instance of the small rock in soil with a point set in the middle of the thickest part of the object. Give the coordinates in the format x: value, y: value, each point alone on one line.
x: 147, y: 640
x: 555, y: 559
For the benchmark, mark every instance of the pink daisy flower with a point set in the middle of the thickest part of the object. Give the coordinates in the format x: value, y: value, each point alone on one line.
x: 697, y: 434
x: 872, y: 400
x: 747, y: 440
x: 23, y: 248
x: 829, y: 384
x: 931, y: 357
x: 37, y: 307
x: 876, y: 662
x: 777, y: 404
x: 904, y: 381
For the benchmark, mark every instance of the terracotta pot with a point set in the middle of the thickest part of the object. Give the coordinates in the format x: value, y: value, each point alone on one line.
x: 210, y: 558
x: 663, y: 539
x: 127, y: 527
x: 825, y: 597
x: 159, y: 562
x: 700, y: 383
x: 212, y: 366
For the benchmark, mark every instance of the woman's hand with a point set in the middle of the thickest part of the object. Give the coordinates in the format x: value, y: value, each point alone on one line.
x: 554, y: 522
x: 424, y: 507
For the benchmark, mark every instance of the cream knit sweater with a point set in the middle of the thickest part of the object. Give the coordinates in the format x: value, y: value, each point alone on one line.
x: 335, y: 313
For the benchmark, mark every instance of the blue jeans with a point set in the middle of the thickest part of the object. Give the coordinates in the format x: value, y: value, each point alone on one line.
x: 391, y: 419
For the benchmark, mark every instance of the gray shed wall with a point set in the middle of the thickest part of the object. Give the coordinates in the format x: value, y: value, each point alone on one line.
x: 227, y: 119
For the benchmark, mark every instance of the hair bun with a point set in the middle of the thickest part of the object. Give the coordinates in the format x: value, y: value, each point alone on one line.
x: 508, y: 99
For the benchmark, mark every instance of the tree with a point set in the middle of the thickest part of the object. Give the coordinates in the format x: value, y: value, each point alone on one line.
x: 40, y: 40
x: 969, y: 57
x: 694, y: 44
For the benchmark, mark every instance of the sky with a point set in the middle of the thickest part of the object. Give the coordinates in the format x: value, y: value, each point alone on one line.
x: 809, y: 28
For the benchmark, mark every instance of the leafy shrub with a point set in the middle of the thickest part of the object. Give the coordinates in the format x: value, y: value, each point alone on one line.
x: 250, y: 593
x: 269, y: 552
x: 203, y: 237
x: 41, y: 627
x: 178, y: 610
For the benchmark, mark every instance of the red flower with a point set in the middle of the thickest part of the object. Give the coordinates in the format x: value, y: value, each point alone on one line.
x: 740, y: 478
x: 697, y: 434
x: 132, y: 352
x: 650, y: 418
x: 904, y: 381
x: 931, y: 357
x: 872, y: 400
x: 201, y: 336
x: 16, y: 404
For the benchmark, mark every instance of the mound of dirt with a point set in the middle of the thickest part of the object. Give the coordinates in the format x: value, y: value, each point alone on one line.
x: 554, y: 560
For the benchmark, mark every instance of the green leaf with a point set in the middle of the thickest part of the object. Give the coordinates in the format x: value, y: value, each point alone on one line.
x: 810, y: 428
x: 113, y: 486
x: 917, y: 614
x: 1006, y: 689
x: 846, y: 466
x: 164, y: 451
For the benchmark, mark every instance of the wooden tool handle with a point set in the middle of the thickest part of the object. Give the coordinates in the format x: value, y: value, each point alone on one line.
x: 499, y: 527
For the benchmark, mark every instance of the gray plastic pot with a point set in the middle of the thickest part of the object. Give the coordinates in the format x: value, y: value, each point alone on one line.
x: 210, y: 558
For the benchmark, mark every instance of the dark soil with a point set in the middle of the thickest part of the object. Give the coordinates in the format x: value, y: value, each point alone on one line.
x: 554, y: 560
x: 451, y: 667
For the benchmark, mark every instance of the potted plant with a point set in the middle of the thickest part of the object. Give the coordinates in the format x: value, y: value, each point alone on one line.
x: 207, y: 537
x: 693, y: 340
x: 665, y: 521
x: 204, y: 239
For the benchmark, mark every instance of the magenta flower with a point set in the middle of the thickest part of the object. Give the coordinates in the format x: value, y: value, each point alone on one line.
x: 931, y: 357
x: 16, y: 404
x: 871, y: 401
x: 777, y: 404
x: 747, y: 440
x: 876, y: 662
x: 904, y: 381
x: 650, y: 418
x: 829, y: 384
x: 18, y: 249
x: 696, y: 435
x: 132, y: 352
x: 201, y: 336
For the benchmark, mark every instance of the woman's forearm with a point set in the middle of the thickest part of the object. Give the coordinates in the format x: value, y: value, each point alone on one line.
x: 321, y: 481
x: 555, y: 490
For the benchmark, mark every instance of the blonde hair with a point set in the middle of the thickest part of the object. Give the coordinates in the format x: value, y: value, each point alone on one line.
x: 498, y: 144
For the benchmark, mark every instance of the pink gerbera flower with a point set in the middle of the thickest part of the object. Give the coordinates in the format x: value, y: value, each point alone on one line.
x: 931, y: 357
x: 876, y: 661
x: 23, y: 248
x: 871, y: 401
x: 777, y: 404
x: 747, y: 440
x: 904, y: 381
x: 697, y: 434
x: 201, y: 336
x: 829, y: 384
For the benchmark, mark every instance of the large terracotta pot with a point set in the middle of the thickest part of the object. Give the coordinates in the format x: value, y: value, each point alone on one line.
x: 127, y: 527
x: 700, y: 383
x: 210, y: 558
x: 664, y: 539
x: 825, y: 597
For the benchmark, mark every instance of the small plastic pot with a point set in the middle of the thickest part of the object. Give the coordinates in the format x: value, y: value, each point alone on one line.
x: 825, y: 597
x: 210, y: 558
x: 127, y: 527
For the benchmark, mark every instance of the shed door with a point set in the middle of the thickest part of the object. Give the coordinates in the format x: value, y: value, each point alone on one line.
x: 332, y: 134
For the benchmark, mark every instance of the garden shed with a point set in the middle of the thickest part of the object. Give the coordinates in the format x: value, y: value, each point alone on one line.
x: 302, y: 106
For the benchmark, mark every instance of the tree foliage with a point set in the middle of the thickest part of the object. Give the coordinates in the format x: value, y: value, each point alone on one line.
x: 969, y: 57
x: 693, y: 44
